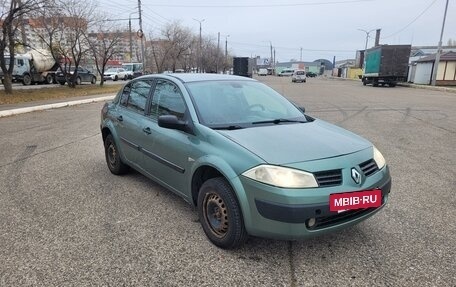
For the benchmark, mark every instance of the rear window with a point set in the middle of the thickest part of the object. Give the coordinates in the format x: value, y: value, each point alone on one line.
x: 300, y: 73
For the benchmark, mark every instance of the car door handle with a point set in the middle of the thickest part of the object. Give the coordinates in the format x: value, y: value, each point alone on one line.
x: 119, y: 118
x: 147, y: 130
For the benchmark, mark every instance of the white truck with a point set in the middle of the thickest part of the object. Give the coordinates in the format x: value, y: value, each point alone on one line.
x: 37, y: 66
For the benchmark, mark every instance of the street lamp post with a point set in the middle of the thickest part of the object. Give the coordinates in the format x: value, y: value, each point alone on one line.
x: 367, y: 36
x: 200, y: 47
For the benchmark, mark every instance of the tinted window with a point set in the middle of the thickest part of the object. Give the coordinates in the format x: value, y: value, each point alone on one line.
x: 167, y: 100
x: 136, y: 95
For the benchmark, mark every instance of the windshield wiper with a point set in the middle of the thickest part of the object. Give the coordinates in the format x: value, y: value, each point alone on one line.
x: 232, y: 127
x: 278, y: 121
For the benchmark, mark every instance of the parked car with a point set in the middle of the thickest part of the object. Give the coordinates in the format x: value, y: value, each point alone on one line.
x: 251, y: 162
x: 311, y: 74
x: 299, y: 76
x: 286, y: 73
x: 116, y: 74
x: 84, y: 75
x: 262, y: 72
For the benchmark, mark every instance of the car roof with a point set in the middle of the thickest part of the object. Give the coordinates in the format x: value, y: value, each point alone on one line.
x: 196, y: 77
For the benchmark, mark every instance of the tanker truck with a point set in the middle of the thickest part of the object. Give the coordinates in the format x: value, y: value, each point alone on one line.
x: 36, y: 66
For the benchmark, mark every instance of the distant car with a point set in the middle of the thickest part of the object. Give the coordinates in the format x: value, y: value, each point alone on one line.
x: 286, y: 73
x: 116, y: 74
x: 262, y: 72
x: 299, y: 76
x: 84, y: 75
x: 249, y: 160
x: 311, y: 74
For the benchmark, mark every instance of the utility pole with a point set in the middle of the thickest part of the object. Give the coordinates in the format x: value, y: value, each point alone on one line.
x: 300, y: 59
x: 218, y: 52
x: 272, y: 59
x: 141, y: 36
x: 226, y: 50
x: 131, y: 38
x: 200, y: 54
x: 439, y: 49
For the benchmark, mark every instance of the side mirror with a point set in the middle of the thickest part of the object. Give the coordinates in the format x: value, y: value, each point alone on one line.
x: 303, y: 109
x: 172, y: 122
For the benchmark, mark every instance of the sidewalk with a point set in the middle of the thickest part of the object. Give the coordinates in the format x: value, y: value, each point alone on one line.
x: 27, y: 107
x: 408, y: 85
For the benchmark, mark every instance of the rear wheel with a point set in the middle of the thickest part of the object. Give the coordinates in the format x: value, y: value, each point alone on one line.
x: 220, y: 214
x: 49, y: 79
x: 116, y: 78
x: 115, y: 164
x: 78, y: 81
x: 93, y: 81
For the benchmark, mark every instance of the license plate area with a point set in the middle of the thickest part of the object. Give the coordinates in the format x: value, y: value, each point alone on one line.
x: 340, y: 202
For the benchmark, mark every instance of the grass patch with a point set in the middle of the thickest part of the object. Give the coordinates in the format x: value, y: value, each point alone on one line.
x: 48, y: 93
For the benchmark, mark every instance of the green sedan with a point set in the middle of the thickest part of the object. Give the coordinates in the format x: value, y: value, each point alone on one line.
x: 252, y: 162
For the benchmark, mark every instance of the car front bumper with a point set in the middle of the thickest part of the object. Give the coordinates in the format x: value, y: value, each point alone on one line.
x: 109, y: 77
x: 285, y: 213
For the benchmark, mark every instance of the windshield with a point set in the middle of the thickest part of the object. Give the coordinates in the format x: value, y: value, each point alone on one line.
x: 240, y: 104
x: 112, y: 70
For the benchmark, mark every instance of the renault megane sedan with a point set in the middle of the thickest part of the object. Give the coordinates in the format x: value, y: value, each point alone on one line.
x: 249, y: 160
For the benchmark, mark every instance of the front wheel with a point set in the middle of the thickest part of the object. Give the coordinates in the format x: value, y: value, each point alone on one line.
x: 78, y: 81
x: 220, y: 214
x: 27, y: 80
x: 93, y: 81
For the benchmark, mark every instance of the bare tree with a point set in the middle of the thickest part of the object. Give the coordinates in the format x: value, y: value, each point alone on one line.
x: 63, y: 29
x: 172, y: 48
x: 10, y: 13
x: 104, y: 44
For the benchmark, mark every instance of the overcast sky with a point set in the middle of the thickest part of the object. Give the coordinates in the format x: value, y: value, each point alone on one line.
x: 322, y: 28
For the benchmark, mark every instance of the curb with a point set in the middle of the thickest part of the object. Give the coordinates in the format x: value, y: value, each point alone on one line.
x: 18, y: 111
x: 424, y: 87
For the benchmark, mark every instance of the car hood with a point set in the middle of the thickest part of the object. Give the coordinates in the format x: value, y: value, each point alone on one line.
x: 297, y: 142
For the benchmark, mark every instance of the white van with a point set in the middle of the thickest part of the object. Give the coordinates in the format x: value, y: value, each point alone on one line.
x: 286, y: 73
x: 262, y: 72
x: 299, y: 76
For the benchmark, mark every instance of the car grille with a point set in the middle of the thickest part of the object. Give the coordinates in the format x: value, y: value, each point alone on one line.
x: 369, y: 167
x: 329, y: 177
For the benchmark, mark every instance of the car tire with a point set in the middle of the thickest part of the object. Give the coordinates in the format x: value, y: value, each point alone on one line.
x: 116, y: 78
x: 78, y: 81
x: 220, y: 214
x: 93, y: 81
x: 113, y: 160
x: 125, y: 78
x: 27, y: 80
x: 49, y: 79
x: 62, y: 83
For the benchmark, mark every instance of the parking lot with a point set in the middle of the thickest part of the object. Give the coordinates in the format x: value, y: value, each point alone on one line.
x: 65, y: 220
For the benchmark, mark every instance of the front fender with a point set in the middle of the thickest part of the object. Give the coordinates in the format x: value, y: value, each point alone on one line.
x: 231, y: 176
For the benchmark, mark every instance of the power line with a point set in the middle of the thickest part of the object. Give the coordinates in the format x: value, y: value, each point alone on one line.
x: 413, y: 21
x: 262, y: 5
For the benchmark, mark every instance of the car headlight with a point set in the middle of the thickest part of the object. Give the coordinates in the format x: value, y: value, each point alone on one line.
x: 379, y: 159
x: 281, y: 176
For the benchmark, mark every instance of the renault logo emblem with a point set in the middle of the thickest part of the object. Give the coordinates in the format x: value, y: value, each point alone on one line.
x: 356, y: 176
